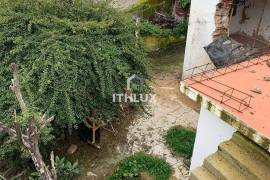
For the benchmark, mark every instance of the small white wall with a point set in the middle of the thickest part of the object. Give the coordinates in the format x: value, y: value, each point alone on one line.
x: 211, y: 131
x: 258, y: 8
x: 200, y: 32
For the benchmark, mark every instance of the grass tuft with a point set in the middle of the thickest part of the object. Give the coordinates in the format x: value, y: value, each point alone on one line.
x: 180, y: 141
x: 131, y: 167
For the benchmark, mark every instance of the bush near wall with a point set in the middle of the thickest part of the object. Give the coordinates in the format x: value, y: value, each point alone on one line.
x: 148, y: 29
x: 181, y: 141
x: 131, y: 167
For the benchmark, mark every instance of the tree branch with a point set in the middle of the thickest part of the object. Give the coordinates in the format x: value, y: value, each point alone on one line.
x: 2, y: 177
x: 44, y: 121
x: 15, y: 86
x: 29, y: 138
x: 54, y: 172
x: 19, y: 133
x: 18, y: 176
x: 6, y: 129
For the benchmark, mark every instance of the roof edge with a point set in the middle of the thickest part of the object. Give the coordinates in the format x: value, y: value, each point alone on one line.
x: 226, y: 116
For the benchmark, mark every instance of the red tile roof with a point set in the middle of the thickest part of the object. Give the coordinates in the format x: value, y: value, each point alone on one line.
x: 233, y: 88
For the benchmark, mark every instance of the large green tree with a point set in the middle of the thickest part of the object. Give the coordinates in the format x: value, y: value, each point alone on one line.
x: 72, y: 56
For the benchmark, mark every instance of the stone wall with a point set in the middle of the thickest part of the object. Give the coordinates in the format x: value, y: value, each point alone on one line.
x: 211, y: 19
x: 252, y: 19
x: 222, y: 18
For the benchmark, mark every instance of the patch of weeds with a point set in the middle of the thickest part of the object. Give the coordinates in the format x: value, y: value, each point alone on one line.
x: 199, y: 99
x: 131, y: 167
x: 227, y: 117
x: 181, y: 141
x: 209, y: 106
x: 147, y: 28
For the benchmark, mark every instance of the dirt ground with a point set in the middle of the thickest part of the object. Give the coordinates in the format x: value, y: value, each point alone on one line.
x: 144, y: 133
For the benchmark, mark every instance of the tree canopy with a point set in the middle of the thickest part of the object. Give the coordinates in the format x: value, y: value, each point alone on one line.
x: 72, y: 57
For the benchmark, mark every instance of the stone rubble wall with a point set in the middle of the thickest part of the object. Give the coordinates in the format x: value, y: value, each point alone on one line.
x: 222, y: 18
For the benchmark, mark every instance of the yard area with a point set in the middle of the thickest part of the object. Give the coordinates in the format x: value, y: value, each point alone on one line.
x: 64, y: 62
x: 144, y: 133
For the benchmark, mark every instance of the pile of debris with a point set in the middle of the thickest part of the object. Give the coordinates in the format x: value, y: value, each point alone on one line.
x: 163, y: 20
x: 226, y: 51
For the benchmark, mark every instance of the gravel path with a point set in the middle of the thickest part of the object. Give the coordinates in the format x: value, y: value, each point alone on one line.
x: 146, y: 133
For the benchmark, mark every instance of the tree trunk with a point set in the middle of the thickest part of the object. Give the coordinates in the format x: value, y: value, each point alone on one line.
x: 39, y: 164
x: 29, y: 137
x: 32, y: 143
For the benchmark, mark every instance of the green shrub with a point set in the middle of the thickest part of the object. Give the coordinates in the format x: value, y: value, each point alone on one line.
x: 13, y: 154
x: 66, y: 170
x: 149, y: 29
x: 181, y: 29
x: 130, y: 167
x: 180, y: 141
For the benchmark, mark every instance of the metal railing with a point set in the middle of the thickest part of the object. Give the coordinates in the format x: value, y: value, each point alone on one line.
x: 229, y: 96
x: 214, y: 72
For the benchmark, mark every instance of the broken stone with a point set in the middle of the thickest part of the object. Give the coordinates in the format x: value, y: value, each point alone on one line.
x: 268, y: 63
x: 89, y: 173
x: 187, y: 162
x: 256, y: 90
x: 72, y: 149
x: 227, y: 42
x: 183, y: 170
x: 242, y: 48
x: 150, y: 129
x: 157, y: 149
x: 267, y: 78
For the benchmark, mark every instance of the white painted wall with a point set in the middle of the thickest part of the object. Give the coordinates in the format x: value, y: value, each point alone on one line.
x: 258, y: 8
x: 202, y: 26
x: 211, y: 131
x: 200, y: 31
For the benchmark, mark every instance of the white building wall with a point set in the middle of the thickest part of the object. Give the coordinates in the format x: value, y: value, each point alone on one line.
x: 211, y: 131
x: 200, y: 32
x: 202, y: 26
x: 258, y: 9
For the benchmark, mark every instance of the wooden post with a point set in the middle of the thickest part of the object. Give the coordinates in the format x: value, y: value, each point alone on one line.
x: 94, y: 133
